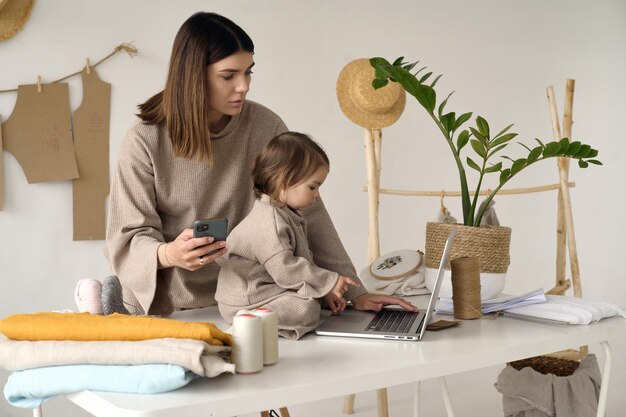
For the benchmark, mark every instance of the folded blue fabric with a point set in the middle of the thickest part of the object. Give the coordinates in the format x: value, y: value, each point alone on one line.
x: 31, y: 387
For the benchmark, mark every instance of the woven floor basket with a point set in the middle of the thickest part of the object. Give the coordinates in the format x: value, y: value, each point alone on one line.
x: 547, y: 365
x: 490, y: 244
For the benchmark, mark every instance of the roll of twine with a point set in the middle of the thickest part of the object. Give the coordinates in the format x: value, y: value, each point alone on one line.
x: 87, y: 295
x: 466, y: 288
x: 247, y: 351
x: 490, y: 244
x: 270, y: 334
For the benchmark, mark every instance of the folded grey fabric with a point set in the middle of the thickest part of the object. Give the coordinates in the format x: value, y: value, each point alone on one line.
x: 528, y: 393
x: 197, y: 356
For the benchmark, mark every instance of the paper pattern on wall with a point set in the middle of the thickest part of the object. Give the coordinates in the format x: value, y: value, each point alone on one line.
x: 91, y: 144
x: 39, y: 133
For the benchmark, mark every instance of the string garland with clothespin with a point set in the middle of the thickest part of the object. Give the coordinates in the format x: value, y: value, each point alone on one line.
x: 125, y: 47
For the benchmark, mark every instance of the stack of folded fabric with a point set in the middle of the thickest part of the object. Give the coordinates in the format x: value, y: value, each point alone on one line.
x: 571, y: 310
x: 59, y: 353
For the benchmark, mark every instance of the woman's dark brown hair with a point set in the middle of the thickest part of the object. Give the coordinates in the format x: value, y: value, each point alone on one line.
x: 183, y: 105
x: 286, y: 160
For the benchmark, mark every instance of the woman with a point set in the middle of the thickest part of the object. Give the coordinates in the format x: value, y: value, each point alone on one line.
x: 189, y: 157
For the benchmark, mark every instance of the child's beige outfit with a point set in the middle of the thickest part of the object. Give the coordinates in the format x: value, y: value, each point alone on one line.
x: 269, y: 263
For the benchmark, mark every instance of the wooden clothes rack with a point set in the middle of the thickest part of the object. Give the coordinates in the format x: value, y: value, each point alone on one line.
x: 565, y: 235
x: 565, y: 224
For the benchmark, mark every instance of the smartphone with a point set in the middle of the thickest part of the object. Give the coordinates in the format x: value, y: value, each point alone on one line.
x: 216, y: 228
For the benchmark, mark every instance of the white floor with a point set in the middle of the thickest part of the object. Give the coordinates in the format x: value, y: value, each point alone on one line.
x: 473, y: 395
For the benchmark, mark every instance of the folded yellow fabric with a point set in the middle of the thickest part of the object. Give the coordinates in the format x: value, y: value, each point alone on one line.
x: 85, y: 327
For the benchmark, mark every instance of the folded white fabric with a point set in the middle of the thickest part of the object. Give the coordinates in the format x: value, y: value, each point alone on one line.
x: 570, y: 310
x: 197, y: 356
x: 31, y: 387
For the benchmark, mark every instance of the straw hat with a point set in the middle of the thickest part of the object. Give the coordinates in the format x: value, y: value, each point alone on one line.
x: 13, y: 15
x: 361, y: 103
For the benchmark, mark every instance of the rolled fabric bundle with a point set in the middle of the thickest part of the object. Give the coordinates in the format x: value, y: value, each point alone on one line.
x: 88, y: 296
x: 86, y: 327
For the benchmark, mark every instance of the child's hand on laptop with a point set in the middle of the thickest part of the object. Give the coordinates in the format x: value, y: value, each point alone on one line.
x: 335, y: 298
x: 342, y: 285
x: 336, y: 305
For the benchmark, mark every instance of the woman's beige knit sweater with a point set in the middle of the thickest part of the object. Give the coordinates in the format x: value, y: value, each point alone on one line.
x: 155, y: 195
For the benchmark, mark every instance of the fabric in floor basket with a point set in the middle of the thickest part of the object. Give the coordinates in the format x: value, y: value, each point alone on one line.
x: 528, y: 393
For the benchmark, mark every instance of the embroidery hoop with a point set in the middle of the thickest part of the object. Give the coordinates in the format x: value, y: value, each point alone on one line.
x: 385, y: 257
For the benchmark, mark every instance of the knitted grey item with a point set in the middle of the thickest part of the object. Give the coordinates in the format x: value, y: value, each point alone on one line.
x: 112, y: 299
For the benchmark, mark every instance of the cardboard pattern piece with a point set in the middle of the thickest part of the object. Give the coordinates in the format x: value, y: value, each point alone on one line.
x: 39, y: 133
x: 91, y: 144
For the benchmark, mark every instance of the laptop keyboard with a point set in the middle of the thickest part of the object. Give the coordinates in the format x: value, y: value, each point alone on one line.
x: 391, y: 321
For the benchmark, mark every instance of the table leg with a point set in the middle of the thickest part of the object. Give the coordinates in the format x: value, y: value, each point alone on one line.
x: 606, y: 374
x: 443, y: 386
x: 348, y: 404
x: 416, y: 400
x: 383, y: 408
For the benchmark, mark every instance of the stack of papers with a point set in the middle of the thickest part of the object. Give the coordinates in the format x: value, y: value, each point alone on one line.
x: 569, y: 310
x: 504, y: 302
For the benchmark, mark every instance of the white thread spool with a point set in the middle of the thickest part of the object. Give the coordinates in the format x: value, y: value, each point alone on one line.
x: 247, y: 350
x: 270, y: 334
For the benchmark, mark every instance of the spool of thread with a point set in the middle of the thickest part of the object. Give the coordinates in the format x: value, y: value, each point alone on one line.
x: 466, y: 288
x: 270, y: 334
x: 87, y: 296
x: 247, y: 349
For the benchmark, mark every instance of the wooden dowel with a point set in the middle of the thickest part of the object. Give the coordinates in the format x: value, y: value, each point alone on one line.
x: 560, y: 221
x: 569, y: 218
x: 510, y: 191
x: 556, y: 128
x: 378, y: 143
x: 560, y: 289
x: 568, y: 121
x: 373, y: 242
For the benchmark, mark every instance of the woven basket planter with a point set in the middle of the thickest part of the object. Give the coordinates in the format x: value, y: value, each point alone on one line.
x: 490, y: 244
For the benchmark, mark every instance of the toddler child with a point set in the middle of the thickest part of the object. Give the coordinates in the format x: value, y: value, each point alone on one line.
x: 269, y: 263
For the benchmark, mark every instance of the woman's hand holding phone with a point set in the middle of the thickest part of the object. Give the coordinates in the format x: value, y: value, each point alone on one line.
x: 192, y: 253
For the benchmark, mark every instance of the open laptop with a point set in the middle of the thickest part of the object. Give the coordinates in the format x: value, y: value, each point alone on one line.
x: 389, y: 323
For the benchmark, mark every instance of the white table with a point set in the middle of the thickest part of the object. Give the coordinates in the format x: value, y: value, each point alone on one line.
x: 317, y: 368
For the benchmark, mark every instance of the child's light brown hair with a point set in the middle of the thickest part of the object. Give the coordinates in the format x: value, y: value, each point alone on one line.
x: 286, y: 161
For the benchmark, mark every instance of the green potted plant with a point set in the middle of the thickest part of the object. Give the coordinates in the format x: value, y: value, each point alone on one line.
x: 484, y: 147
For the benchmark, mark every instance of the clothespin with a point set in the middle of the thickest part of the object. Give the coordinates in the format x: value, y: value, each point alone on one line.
x: 88, y: 66
x: 39, y: 88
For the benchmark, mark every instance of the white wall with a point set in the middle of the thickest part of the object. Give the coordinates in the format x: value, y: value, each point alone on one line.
x: 498, y: 56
